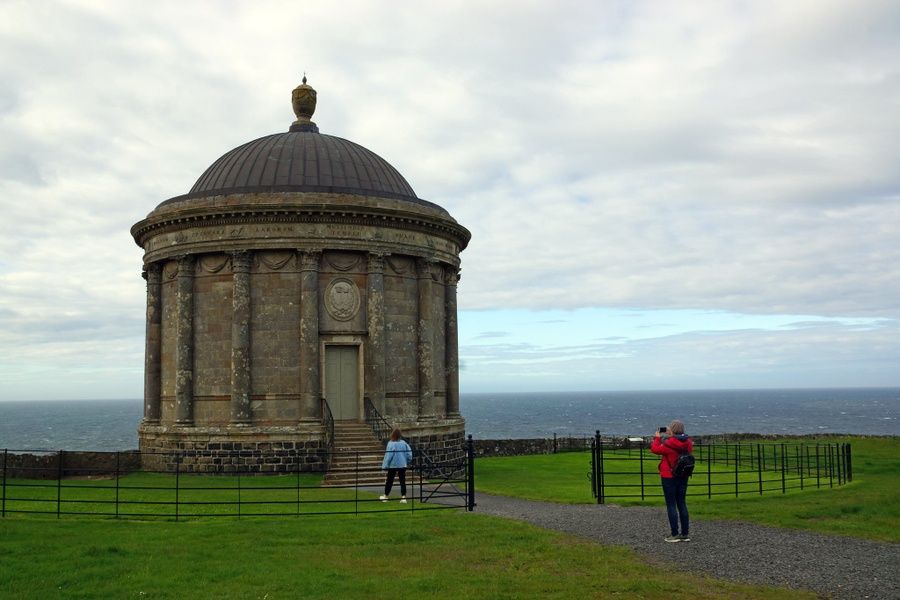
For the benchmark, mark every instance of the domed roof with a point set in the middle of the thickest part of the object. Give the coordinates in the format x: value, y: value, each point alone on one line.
x: 303, y: 161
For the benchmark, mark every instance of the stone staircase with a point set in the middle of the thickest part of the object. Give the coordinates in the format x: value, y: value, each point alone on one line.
x: 357, y: 456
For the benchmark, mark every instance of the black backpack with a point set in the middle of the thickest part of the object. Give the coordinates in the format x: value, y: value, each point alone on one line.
x: 684, y: 466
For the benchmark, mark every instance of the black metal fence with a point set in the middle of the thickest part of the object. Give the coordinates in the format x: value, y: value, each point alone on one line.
x: 113, y: 484
x: 626, y: 469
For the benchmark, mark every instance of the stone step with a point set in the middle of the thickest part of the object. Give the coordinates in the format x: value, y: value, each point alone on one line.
x: 350, y: 466
x: 352, y: 482
x: 357, y: 456
x: 372, y: 466
x: 369, y: 443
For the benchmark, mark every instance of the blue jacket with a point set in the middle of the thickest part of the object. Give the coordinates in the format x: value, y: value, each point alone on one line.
x: 397, y: 455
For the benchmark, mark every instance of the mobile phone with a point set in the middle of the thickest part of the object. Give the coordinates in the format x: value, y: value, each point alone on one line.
x: 663, y: 429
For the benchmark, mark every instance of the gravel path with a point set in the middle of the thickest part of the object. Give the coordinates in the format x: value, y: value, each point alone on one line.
x: 833, y: 566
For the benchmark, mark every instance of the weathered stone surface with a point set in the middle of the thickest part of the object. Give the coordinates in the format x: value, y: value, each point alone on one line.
x: 270, y: 262
x: 309, y: 337
x: 240, y: 338
x: 153, y: 348
x: 184, y: 349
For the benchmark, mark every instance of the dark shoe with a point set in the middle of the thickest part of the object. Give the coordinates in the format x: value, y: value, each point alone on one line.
x: 685, y: 538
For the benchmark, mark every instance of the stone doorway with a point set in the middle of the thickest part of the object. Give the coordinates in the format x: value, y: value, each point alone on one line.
x: 342, y: 381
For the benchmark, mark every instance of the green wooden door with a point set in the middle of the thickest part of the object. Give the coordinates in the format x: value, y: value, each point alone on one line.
x: 341, y: 382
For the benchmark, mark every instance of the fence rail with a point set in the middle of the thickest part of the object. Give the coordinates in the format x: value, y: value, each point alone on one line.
x: 629, y: 470
x: 43, y: 483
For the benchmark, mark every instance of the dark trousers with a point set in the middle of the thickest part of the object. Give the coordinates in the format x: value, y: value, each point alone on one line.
x: 675, y: 491
x: 390, y: 481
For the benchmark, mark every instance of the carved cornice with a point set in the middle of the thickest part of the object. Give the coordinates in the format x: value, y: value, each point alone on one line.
x: 187, y: 219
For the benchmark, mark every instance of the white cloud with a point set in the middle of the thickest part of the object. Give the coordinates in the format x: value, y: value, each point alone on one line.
x: 713, y: 155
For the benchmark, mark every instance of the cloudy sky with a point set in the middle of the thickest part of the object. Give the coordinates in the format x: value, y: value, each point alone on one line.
x: 661, y: 195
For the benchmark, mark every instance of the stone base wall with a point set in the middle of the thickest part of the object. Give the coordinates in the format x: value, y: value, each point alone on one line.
x: 270, y: 450
x: 86, y: 465
x: 526, y: 446
x: 444, y: 440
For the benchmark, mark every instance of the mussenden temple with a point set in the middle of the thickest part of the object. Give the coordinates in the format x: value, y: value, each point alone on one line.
x: 299, y: 286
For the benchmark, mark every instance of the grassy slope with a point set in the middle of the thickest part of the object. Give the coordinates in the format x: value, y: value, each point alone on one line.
x: 442, y: 554
x: 869, y: 507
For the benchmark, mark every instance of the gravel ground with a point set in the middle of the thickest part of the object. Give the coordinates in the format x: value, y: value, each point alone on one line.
x: 833, y: 566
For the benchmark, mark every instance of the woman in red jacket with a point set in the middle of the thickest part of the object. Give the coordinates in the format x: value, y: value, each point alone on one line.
x: 670, y: 444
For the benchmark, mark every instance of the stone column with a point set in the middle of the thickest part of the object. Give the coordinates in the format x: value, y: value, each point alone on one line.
x: 375, y: 344
x: 309, y: 337
x: 451, y: 355
x: 153, y: 344
x: 184, y: 349
x: 240, y: 338
x: 426, y: 369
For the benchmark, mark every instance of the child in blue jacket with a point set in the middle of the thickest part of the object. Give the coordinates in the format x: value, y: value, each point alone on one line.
x: 397, y: 456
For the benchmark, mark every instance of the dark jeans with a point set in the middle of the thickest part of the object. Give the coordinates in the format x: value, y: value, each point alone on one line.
x: 675, y: 490
x: 390, y: 481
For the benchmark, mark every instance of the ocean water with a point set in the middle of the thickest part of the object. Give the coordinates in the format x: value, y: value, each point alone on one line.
x: 112, y: 424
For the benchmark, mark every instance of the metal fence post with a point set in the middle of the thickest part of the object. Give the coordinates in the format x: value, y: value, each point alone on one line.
x: 759, y: 466
x: 298, y: 490
x: 736, y: 491
x: 239, y: 491
x: 830, y: 465
x: 800, y: 451
x: 849, y: 463
x: 555, y: 446
x: 5, y: 460
x: 117, y: 484
x: 601, y: 481
x: 356, y: 485
x: 177, y: 476
x: 709, y: 463
x: 839, y: 464
x: 59, y: 474
x: 641, y: 455
x: 783, y: 467
x: 470, y: 483
x: 818, y: 472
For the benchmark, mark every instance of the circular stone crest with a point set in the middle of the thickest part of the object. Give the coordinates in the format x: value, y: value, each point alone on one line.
x: 342, y: 299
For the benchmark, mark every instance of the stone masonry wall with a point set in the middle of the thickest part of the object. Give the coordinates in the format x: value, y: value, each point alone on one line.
x: 523, y: 447
x: 443, y: 448
x: 74, y: 464
x: 246, y: 457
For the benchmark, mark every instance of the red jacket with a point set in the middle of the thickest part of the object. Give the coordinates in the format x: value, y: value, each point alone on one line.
x: 670, y: 448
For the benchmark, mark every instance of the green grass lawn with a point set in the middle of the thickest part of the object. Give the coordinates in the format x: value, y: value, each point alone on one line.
x: 441, y: 554
x: 436, y: 554
x: 153, y: 495
x: 868, y: 507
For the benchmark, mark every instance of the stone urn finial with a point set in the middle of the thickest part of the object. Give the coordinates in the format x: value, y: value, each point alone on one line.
x: 303, y: 100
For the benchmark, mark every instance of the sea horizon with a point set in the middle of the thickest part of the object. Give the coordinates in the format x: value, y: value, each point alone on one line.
x: 112, y: 423
x: 578, y: 391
